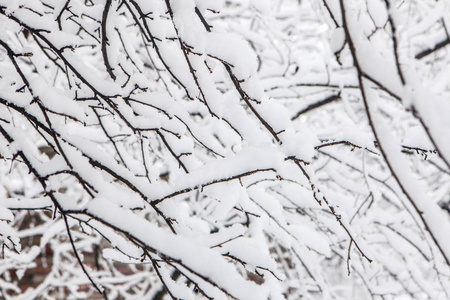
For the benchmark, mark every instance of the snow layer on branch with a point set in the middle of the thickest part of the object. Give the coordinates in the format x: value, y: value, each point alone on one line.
x: 223, y: 46
x: 250, y: 159
x: 434, y: 217
x: 5, y: 214
x: 432, y: 110
x: 337, y: 40
x: 199, y: 259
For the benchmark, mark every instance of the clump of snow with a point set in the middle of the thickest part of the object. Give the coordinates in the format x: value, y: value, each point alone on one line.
x: 337, y: 40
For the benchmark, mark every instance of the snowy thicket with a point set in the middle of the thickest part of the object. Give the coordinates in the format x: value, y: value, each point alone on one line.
x: 233, y: 149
